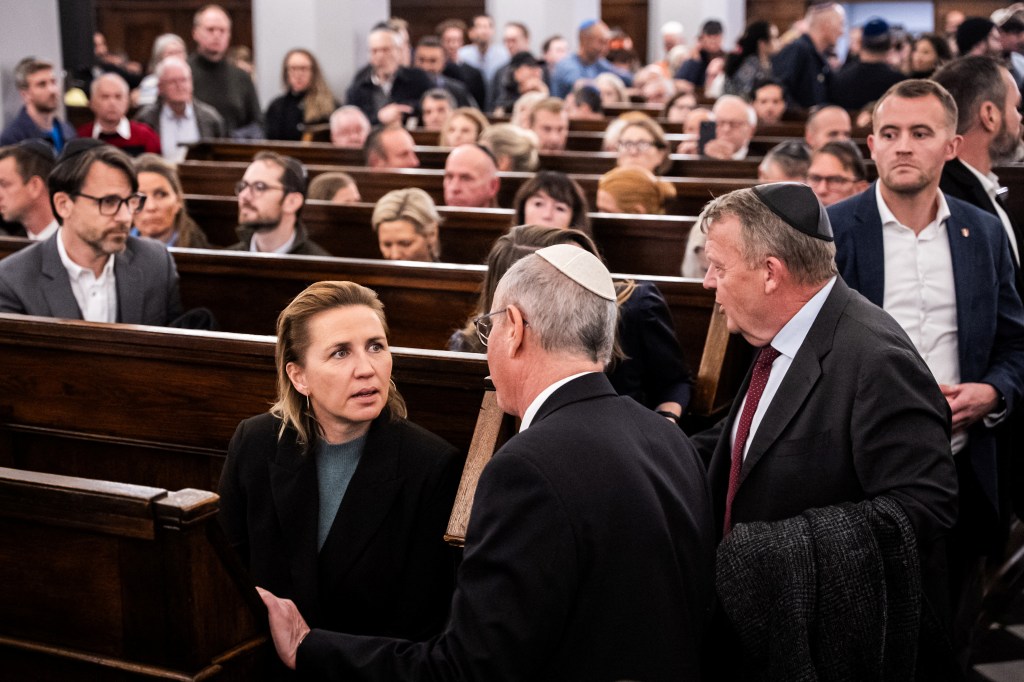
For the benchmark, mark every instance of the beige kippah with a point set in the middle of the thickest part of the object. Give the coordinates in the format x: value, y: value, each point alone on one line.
x: 582, y: 267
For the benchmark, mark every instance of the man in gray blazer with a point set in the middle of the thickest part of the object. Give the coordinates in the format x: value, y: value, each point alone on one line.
x: 91, y: 269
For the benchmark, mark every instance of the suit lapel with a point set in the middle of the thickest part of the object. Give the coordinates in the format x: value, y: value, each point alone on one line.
x: 56, y: 284
x: 962, y: 251
x: 296, y: 499
x: 129, y: 286
x: 803, y: 374
x: 867, y: 244
x: 367, y: 501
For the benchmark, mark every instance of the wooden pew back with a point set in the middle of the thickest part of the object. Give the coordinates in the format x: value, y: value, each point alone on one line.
x: 107, y: 581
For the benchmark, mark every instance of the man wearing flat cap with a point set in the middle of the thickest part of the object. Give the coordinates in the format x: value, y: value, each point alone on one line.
x: 838, y: 408
x: 589, y: 549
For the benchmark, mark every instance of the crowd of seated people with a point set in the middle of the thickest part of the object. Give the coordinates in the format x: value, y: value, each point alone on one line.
x: 818, y: 128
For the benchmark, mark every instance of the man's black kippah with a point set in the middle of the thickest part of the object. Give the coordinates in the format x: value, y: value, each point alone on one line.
x: 798, y: 207
x: 76, y: 146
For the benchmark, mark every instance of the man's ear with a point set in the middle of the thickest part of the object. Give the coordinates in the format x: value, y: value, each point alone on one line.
x: 516, y: 330
x: 64, y: 205
x: 989, y: 116
x: 37, y: 186
x: 774, y: 272
x: 293, y: 202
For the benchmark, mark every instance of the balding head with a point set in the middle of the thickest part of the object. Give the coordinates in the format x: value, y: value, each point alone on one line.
x: 174, y: 81
x: 470, y: 177
x: 108, y: 99
x: 825, y: 25
x: 211, y: 31
x: 827, y: 124
x: 594, y: 39
x: 735, y: 120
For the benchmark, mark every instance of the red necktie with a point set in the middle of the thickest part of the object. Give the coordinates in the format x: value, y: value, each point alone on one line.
x: 758, y: 380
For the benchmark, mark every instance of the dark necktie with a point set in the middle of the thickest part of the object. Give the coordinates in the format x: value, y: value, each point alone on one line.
x: 758, y: 380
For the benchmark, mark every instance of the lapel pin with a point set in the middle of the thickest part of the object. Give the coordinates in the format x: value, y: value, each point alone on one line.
x: 965, y: 232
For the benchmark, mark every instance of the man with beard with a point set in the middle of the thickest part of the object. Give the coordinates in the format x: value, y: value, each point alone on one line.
x: 37, y: 86
x: 270, y: 196
x: 989, y: 120
x: 91, y: 268
x: 944, y: 270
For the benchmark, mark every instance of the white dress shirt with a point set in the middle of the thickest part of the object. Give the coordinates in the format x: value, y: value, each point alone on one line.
x: 531, y: 411
x: 45, y: 233
x: 176, y: 130
x: 787, y: 342
x: 283, y: 249
x: 990, y: 183
x: 96, y: 296
x: 124, y: 129
x: 920, y: 292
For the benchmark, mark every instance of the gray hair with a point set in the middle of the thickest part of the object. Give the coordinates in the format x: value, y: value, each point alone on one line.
x: 564, y: 316
x: 113, y: 78
x: 160, y: 45
x: 764, y: 234
x: 349, y: 110
x: 171, y: 61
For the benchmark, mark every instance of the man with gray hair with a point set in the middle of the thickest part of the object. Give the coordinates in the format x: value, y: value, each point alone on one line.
x: 735, y: 123
x: 838, y: 408
x: 590, y: 544
x: 108, y: 99
x: 176, y: 116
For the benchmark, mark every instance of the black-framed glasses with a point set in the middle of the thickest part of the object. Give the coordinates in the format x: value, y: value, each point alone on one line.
x: 829, y: 180
x: 637, y: 146
x: 111, y: 204
x: 258, y: 187
x: 484, y: 324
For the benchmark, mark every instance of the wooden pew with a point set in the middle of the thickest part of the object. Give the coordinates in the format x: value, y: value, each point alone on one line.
x: 645, y: 244
x: 153, y: 406
x: 219, y: 178
x: 108, y: 581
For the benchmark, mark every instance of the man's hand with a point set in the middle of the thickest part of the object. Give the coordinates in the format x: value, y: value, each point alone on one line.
x: 719, y: 149
x: 287, y: 626
x: 969, y: 402
x: 389, y: 113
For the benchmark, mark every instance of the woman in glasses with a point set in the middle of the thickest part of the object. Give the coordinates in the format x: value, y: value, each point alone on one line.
x: 837, y: 172
x: 307, y: 99
x: 648, y: 364
x: 642, y: 144
x: 332, y: 498
x: 163, y: 216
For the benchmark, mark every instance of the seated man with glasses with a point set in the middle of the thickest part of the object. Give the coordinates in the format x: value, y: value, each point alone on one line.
x: 270, y: 196
x: 91, y: 268
x: 735, y: 122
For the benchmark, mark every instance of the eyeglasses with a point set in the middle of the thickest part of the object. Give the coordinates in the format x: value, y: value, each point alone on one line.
x: 726, y: 123
x: 829, y: 180
x: 258, y: 187
x: 484, y: 324
x: 637, y: 146
x: 111, y: 204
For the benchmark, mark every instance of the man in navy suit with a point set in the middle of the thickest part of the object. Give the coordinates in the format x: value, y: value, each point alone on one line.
x: 944, y: 270
x: 590, y: 544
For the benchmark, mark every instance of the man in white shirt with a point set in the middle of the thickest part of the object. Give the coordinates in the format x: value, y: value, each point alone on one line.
x: 563, y: 511
x: 24, y: 199
x: 944, y: 270
x: 270, y: 197
x: 482, y: 52
x: 176, y: 116
x: 91, y: 268
x: 839, y: 406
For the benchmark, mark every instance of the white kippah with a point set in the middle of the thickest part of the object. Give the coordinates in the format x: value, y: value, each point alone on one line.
x: 582, y: 267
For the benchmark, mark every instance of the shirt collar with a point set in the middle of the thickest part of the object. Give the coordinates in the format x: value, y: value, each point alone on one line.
x: 531, y: 411
x: 889, y: 219
x: 168, y: 113
x: 76, y: 271
x: 792, y: 335
x: 989, y: 182
x: 124, y: 129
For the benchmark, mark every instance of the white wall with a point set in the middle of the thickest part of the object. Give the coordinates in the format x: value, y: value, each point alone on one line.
x: 26, y: 29
x: 544, y: 18
x: 334, y: 30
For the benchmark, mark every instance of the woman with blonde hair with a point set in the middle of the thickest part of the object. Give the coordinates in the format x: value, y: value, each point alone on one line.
x: 632, y: 190
x: 406, y: 222
x: 514, y: 148
x: 307, y: 99
x: 612, y: 88
x: 648, y: 364
x: 163, y: 216
x: 332, y: 498
x: 463, y: 126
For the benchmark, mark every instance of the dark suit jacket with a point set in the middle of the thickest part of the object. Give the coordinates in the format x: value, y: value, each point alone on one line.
x: 958, y: 181
x: 35, y: 282
x: 384, y: 568
x: 858, y: 415
x: 990, y: 318
x: 208, y: 120
x: 409, y: 86
x: 588, y: 557
x: 470, y: 76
